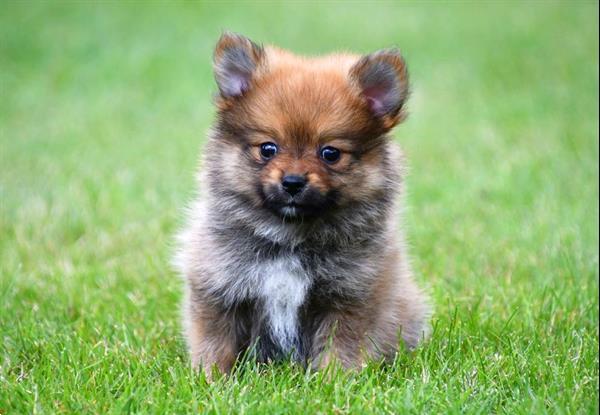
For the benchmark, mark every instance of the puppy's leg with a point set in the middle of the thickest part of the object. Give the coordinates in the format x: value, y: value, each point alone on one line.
x: 395, y: 311
x: 339, y: 339
x: 210, y: 337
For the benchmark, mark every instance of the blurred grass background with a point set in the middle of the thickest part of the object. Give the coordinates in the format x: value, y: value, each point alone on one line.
x: 104, y: 108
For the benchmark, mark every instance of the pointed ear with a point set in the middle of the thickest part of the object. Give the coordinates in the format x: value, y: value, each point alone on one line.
x: 383, y: 81
x: 236, y: 59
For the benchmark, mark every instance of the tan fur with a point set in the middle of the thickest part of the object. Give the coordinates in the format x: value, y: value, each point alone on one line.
x: 210, y: 338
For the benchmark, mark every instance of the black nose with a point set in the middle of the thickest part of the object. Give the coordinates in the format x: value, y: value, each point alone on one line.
x: 293, y: 184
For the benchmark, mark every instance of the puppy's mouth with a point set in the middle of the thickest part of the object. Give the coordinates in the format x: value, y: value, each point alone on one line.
x: 301, y: 207
x: 295, y: 210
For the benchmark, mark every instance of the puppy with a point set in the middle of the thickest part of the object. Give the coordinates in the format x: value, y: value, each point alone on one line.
x: 291, y: 249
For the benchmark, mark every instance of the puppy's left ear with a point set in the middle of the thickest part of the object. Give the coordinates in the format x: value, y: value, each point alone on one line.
x: 236, y: 61
x: 382, y: 79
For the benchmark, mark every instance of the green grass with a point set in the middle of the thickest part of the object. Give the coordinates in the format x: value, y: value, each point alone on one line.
x: 104, y: 108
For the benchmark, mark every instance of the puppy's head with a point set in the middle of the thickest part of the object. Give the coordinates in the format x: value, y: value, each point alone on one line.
x: 300, y: 136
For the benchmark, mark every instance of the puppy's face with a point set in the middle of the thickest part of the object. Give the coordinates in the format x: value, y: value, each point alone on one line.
x: 302, y: 137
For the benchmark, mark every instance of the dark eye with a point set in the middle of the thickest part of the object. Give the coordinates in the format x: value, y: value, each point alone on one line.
x: 330, y: 154
x: 268, y: 150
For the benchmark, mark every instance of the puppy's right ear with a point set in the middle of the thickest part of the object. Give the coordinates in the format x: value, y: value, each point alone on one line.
x: 236, y: 60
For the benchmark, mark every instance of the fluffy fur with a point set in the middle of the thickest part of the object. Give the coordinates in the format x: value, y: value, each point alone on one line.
x: 318, y: 276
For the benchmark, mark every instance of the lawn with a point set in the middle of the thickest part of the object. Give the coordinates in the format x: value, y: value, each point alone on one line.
x: 103, y: 111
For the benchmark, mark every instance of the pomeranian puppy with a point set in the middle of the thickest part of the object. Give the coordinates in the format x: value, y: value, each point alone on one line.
x: 291, y: 249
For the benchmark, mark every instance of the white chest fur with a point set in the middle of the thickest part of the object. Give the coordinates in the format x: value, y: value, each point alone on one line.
x: 282, y: 287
